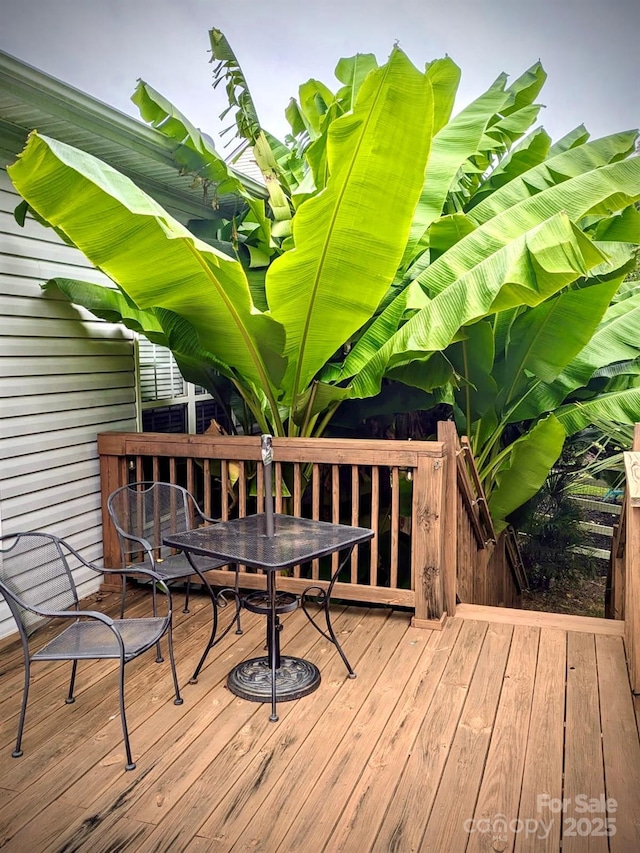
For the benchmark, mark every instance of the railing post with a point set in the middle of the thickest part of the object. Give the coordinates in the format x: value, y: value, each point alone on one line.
x: 448, y: 434
x: 427, y: 528
x: 632, y: 568
x: 113, y: 473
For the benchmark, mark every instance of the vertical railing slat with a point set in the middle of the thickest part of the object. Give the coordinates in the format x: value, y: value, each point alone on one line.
x: 315, y: 499
x: 375, y: 524
x: 206, y: 473
x: 242, y: 490
x: 355, y: 517
x: 335, y: 508
x: 224, y: 490
x: 297, y: 502
x: 191, y: 481
x: 278, y: 486
x: 260, y: 487
x: 395, y: 526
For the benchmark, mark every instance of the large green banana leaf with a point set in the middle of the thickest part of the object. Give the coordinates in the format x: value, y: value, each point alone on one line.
x: 535, y: 265
x: 607, y: 189
x: 621, y: 407
x: 323, y: 290
x: 525, y: 89
x: 452, y: 145
x: 160, y: 326
x: 473, y: 360
x: 578, y: 136
x: 247, y: 124
x: 543, y: 340
x: 194, y: 152
x: 553, y: 170
x: 505, y: 127
x: 546, y: 338
x: 523, y: 157
x: 524, y: 466
x: 616, y: 339
x: 352, y: 71
x: 196, y: 155
x: 156, y: 261
x: 112, y: 306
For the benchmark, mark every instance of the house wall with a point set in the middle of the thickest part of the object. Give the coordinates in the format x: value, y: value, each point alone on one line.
x: 64, y: 377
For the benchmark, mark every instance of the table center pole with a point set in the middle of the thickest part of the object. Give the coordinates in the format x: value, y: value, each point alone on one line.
x: 266, y: 447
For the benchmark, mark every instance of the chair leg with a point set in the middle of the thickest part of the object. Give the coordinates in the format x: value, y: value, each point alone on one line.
x: 238, y: 601
x: 123, y: 595
x: 17, y: 752
x: 71, y: 698
x: 178, y: 700
x: 130, y: 765
x: 159, y: 658
x: 186, y: 596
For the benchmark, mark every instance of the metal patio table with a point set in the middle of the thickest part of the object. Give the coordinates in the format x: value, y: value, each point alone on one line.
x: 273, y: 542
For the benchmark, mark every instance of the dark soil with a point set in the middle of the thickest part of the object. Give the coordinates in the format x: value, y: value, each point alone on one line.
x: 580, y: 596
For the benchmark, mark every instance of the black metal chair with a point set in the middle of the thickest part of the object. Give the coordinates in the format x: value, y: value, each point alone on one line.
x: 37, y: 583
x: 143, y: 513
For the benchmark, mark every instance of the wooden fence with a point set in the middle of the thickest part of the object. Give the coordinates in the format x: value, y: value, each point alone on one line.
x: 623, y: 582
x: 434, y: 543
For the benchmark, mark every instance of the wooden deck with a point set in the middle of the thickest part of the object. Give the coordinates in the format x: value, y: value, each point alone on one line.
x: 461, y: 739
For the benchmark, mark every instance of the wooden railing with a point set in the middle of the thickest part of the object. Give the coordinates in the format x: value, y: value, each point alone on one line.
x: 422, y: 499
x: 623, y: 582
x: 489, y: 567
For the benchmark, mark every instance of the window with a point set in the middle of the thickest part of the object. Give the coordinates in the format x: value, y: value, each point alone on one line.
x: 166, y: 402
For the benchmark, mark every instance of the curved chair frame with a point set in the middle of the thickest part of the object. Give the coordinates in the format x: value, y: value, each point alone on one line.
x: 34, y: 570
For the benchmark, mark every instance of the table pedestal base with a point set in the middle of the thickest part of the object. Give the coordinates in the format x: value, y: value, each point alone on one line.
x: 295, y: 678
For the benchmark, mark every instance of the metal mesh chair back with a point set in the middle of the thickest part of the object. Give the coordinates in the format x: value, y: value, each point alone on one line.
x: 150, y: 511
x: 34, y: 573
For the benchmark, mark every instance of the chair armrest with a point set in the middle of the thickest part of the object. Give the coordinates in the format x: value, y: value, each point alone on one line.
x: 208, y: 518
x: 74, y: 614
x: 158, y: 581
x: 155, y: 578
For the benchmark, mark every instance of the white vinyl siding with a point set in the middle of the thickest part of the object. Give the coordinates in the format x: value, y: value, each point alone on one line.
x: 64, y: 377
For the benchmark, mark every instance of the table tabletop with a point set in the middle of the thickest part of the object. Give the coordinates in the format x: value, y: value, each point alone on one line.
x: 244, y: 540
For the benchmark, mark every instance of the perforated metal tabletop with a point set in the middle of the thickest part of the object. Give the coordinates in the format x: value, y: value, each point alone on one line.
x: 295, y: 540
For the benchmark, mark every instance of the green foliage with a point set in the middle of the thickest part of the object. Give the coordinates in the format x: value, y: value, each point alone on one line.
x: 551, y: 532
x: 466, y: 257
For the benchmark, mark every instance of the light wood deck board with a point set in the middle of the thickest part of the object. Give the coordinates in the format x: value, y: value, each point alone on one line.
x: 583, y: 767
x: 503, y: 770
x: 545, y: 746
x: 620, y: 745
x: 402, y: 825
x: 455, y: 803
x: 438, y: 728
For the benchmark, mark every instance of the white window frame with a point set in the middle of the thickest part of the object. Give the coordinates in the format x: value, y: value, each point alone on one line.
x: 190, y: 397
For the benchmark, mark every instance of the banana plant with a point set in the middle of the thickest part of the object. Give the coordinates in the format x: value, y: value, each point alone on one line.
x: 404, y: 231
x: 319, y: 293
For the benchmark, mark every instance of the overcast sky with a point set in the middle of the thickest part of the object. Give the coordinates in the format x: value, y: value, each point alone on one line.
x: 590, y: 49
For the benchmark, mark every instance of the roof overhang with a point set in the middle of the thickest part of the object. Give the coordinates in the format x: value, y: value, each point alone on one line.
x: 31, y: 99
